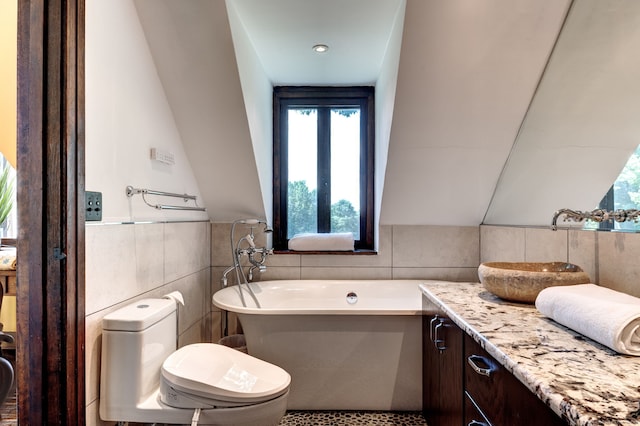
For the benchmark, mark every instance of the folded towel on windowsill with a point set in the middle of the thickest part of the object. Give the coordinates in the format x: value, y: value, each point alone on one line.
x: 342, y: 241
x: 604, y: 315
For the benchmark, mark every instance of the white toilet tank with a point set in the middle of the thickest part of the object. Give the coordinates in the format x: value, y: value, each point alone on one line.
x: 136, y: 340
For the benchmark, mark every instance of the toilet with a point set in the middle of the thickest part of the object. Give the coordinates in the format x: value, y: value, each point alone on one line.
x: 145, y: 379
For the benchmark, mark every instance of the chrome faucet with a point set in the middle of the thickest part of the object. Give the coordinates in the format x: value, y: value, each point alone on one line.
x: 597, y: 215
x: 225, y: 273
x: 246, y: 246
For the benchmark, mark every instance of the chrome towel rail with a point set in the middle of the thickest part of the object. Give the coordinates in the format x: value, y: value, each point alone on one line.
x: 131, y: 191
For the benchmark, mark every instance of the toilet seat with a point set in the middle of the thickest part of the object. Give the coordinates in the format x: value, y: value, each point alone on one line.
x: 208, y: 375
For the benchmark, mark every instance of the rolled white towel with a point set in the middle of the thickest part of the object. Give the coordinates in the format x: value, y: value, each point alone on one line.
x: 339, y: 241
x: 604, y: 315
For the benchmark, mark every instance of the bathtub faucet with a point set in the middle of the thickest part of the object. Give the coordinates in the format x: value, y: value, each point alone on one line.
x: 597, y: 215
x: 246, y: 246
x: 261, y: 268
x: 225, y: 273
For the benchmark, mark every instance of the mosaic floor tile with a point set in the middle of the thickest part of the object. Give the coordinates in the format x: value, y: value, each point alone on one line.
x: 352, y: 418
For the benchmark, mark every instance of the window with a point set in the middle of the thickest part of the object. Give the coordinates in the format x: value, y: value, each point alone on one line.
x: 323, y: 162
x: 624, y: 194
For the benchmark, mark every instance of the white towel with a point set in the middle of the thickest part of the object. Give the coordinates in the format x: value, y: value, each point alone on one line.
x: 339, y: 241
x: 606, y: 316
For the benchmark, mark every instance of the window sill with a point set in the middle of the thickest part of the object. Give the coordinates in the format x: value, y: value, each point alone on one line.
x: 344, y: 253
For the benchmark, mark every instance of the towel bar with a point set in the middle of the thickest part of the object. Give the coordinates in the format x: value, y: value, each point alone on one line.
x: 131, y: 191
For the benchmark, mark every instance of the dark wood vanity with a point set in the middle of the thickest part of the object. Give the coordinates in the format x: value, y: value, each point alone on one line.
x: 465, y: 385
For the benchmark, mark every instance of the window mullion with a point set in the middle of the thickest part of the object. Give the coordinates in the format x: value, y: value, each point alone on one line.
x: 324, y: 169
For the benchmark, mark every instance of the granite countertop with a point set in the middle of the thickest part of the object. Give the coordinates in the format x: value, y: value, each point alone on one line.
x: 581, y: 380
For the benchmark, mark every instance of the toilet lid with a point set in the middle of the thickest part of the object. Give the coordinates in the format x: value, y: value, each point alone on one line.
x: 221, y: 373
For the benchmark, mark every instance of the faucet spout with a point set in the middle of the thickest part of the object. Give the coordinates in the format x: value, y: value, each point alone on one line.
x: 225, y: 273
x: 597, y: 215
x: 570, y: 214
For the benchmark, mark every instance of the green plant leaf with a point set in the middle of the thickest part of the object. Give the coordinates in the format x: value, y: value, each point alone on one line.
x: 6, y: 194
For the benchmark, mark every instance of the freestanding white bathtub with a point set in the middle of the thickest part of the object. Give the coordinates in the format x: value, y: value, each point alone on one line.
x: 364, y: 353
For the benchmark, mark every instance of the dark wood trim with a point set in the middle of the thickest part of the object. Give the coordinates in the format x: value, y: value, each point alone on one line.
x: 323, y: 178
x: 318, y: 96
x: 50, y: 296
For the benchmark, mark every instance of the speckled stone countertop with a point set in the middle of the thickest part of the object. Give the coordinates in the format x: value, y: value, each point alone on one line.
x: 581, y: 380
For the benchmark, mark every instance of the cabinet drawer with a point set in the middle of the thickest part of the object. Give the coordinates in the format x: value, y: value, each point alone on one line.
x: 484, y: 380
x: 472, y: 414
x: 502, y: 398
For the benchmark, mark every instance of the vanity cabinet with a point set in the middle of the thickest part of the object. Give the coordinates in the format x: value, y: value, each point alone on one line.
x: 464, y: 385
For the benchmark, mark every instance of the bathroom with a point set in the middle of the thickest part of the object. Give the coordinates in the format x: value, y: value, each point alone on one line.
x: 136, y: 251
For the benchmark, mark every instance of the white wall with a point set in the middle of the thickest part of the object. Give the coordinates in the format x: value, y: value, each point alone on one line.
x: 127, y: 113
x: 385, y: 101
x: 257, y: 91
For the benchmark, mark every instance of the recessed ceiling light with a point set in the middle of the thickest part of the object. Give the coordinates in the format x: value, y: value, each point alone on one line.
x: 320, y: 48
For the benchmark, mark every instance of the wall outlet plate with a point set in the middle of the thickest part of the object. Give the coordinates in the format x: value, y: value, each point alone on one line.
x: 93, y: 205
x: 163, y: 156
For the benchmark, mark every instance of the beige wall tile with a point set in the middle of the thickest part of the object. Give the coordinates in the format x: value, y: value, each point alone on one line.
x: 193, y: 334
x: 187, y: 248
x: 194, y: 290
x: 221, y: 244
x: 619, y: 268
x: 346, y: 273
x: 149, y: 254
x: 110, y: 266
x: 280, y: 273
x: 436, y: 246
x: 441, y: 274
x: 582, y: 251
x: 545, y: 245
x: 216, y: 326
x: 288, y: 260
x: 502, y: 244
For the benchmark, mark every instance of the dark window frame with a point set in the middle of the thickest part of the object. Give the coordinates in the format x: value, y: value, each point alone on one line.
x: 285, y: 97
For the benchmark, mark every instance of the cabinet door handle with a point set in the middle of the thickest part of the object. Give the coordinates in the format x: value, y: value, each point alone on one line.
x: 432, y: 326
x: 484, y: 371
x: 438, y: 342
x: 477, y: 423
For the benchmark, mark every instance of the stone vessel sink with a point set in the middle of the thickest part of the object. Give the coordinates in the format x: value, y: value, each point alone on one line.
x: 522, y: 281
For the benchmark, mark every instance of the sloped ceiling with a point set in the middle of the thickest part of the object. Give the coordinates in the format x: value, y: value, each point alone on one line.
x: 582, y: 125
x: 467, y: 75
x: 468, y: 71
x: 193, y: 49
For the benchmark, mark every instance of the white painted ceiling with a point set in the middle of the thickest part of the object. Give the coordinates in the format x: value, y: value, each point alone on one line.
x: 283, y: 33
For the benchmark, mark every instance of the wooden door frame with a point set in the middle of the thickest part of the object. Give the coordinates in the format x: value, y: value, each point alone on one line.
x: 50, y: 188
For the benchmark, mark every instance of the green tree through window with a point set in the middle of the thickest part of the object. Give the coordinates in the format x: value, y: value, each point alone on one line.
x: 302, y: 208
x: 301, y: 212
x: 624, y: 194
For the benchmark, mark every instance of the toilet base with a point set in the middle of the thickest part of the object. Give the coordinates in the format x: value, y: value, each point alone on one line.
x: 268, y: 413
